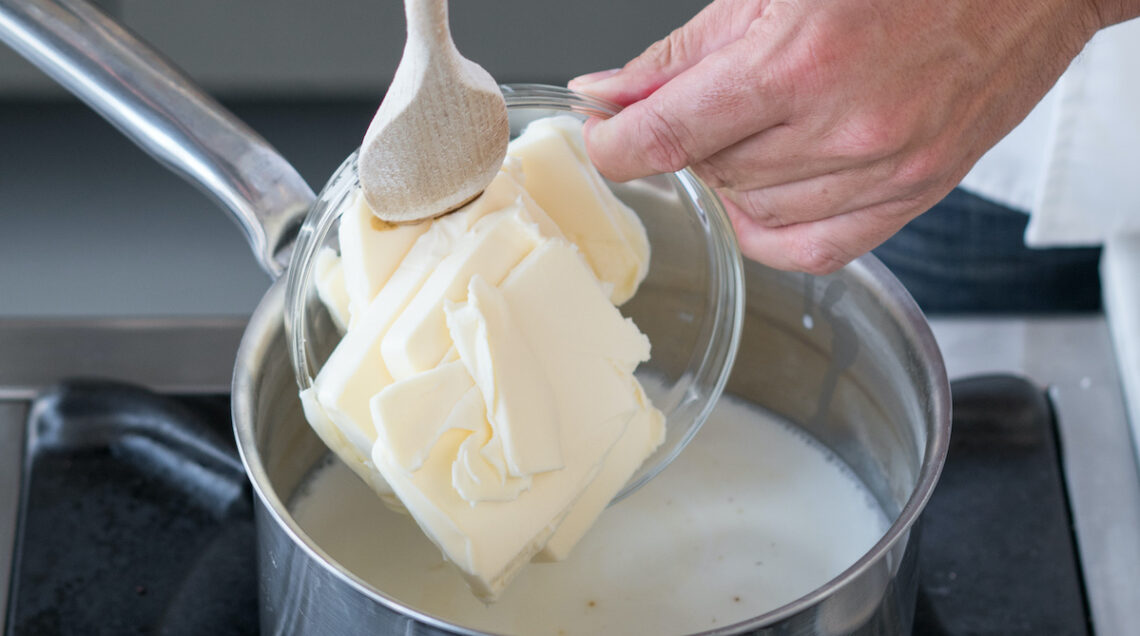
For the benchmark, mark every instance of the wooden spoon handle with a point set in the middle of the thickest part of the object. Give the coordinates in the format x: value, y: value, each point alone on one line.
x: 428, y: 27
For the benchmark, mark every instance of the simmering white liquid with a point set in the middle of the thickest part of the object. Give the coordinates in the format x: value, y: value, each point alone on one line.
x: 752, y: 515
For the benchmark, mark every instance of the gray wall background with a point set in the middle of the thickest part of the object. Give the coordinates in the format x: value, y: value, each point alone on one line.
x: 90, y: 226
x: 350, y: 47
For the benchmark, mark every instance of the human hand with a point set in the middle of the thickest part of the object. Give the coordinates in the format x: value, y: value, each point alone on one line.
x: 826, y: 125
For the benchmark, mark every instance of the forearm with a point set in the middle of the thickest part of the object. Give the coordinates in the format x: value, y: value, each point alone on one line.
x: 1110, y: 12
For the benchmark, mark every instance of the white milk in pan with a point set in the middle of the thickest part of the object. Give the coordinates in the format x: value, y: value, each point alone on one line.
x: 752, y: 515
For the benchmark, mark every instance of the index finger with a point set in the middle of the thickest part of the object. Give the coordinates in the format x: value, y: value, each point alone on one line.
x: 717, y: 25
x: 712, y: 105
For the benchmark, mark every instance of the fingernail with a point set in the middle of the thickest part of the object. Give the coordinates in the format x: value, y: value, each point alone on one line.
x: 589, y: 78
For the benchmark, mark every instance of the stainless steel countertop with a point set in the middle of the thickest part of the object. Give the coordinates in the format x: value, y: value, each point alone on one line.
x: 1071, y: 357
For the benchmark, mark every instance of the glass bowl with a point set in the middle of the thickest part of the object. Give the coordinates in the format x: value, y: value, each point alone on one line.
x: 690, y: 304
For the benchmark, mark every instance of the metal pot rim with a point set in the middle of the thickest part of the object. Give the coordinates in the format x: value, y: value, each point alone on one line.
x: 884, y: 286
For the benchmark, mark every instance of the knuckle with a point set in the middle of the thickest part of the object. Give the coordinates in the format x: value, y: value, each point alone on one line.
x: 663, y: 137
x: 817, y: 256
x: 715, y: 173
x: 811, y: 65
x: 669, y: 50
x: 872, y: 137
x: 757, y: 205
x: 920, y: 171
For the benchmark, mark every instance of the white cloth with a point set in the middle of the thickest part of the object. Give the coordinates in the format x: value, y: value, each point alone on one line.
x: 1074, y: 165
x: 1074, y: 162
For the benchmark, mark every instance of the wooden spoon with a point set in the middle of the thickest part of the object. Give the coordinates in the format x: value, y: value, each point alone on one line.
x: 441, y: 132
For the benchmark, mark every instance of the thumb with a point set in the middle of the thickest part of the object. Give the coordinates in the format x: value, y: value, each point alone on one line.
x: 716, y: 25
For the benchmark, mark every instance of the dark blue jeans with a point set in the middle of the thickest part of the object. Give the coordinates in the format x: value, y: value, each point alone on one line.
x: 967, y: 255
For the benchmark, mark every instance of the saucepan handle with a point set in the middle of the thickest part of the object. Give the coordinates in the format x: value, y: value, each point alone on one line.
x: 161, y: 110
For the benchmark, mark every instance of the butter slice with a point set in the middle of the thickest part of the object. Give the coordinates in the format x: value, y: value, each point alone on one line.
x: 371, y: 250
x: 506, y: 190
x: 479, y: 472
x: 516, y: 390
x: 582, y: 322
x: 643, y: 434
x: 418, y: 339
x: 359, y: 463
x: 567, y: 186
x: 489, y: 542
x: 592, y: 341
x: 355, y: 370
x: 411, y: 414
x: 331, y: 287
x: 624, y: 217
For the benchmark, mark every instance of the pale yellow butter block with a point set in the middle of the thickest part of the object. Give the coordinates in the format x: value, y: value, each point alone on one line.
x: 577, y: 317
x: 479, y: 472
x: 516, y: 390
x: 331, y: 435
x: 577, y: 199
x: 418, y: 338
x: 594, y: 340
x: 643, y: 434
x: 371, y: 250
x: 355, y: 370
x: 489, y: 542
x: 361, y: 464
x: 624, y: 217
x: 507, y: 189
x: 331, y: 287
x: 411, y: 414
x: 487, y: 382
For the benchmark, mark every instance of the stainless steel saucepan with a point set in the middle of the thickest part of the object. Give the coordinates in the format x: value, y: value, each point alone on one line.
x: 847, y: 357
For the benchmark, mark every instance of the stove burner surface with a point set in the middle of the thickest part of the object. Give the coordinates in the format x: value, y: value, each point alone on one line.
x: 136, y: 519
x: 997, y: 553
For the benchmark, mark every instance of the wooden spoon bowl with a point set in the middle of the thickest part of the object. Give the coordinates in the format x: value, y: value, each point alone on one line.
x: 441, y: 132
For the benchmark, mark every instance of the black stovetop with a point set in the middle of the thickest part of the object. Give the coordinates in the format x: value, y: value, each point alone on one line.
x: 997, y: 552
x: 136, y: 519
